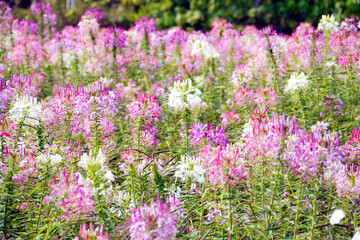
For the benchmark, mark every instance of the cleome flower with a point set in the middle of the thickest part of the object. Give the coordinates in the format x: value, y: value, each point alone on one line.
x: 202, y: 48
x: 190, y: 168
x: 328, y: 24
x: 96, y: 166
x: 296, y: 82
x: 157, y: 221
x: 184, y: 95
x: 27, y: 109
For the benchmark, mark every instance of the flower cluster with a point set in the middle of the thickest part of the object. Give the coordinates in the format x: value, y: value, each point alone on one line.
x: 214, y: 136
x: 296, y: 83
x: 157, y: 221
x: 241, y: 126
x: 225, y: 165
x: 184, y: 95
x: 72, y: 195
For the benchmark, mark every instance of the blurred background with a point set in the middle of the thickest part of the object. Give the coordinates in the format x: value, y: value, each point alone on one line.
x: 284, y: 15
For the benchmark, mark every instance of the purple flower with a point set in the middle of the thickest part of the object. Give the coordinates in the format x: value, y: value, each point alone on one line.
x: 145, y: 25
x: 214, y: 136
x: 198, y: 132
x: 96, y: 13
x: 157, y: 221
x: 44, y: 9
x: 349, y: 25
x: 115, y: 37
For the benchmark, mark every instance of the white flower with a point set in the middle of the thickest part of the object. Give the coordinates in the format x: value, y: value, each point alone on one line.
x: 175, y: 190
x: 100, y: 158
x: 336, y: 216
x: 190, y: 167
x: 96, y: 166
x: 202, y: 48
x: 81, y: 179
x: 296, y: 82
x: 291, y: 138
x: 176, y: 99
x: 56, y: 159
x: 88, y: 162
x: 193, y: 100
x: 247, y: 129
x: 356, y: 236
x: 109, y: 176
x: 41, y: 158
x: 26, y: 108
x: 184, y: 95
x: 319, y: 126
x: 328, y: 24
x: 330, y: 64
x: 68, y: 59
x: 240, y: 75
x: 199, y: 79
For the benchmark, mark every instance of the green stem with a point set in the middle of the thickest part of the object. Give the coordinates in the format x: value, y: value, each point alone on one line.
x: 314, y: 211
x: 230, y: 211
x: 298, y: 208
x: 202, y: 210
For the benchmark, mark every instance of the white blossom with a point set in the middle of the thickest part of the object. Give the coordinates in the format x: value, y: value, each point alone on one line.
x: 247, y: 129
x: 87, y: 161
x: 68, y: 59
x: 27, y: 109
x: 109, y: 176
x: 184, y: 95
x: 54, y: 160
x: 200, y: 80
x: 96, y: 165
x: 328, y: 24
x: 356, y: 236
x: 190, y: 167
x: 202, y: 48
x: 296, y: 82
x: 337, y: 216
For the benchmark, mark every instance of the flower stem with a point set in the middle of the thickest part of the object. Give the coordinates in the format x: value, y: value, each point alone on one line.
x: 314, y: 211
x: 298, y: 208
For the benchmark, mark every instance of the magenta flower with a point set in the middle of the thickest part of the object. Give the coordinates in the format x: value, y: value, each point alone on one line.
x: 230, y: 117
x: 92, y: 234
x: 349, y: 25
x: 95, y: 13
x: 352, y: 145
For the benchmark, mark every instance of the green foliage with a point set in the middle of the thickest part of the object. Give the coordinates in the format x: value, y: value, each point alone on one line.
x: 199, y: 14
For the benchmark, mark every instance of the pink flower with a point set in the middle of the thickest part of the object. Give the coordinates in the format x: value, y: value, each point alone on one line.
x: 224, y: 164
x: 91, y: 233
x: 5, y: 134
x: 72, y: 196
x: 230, y: 117
x: 146, y: 107
x: 157, y: 221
